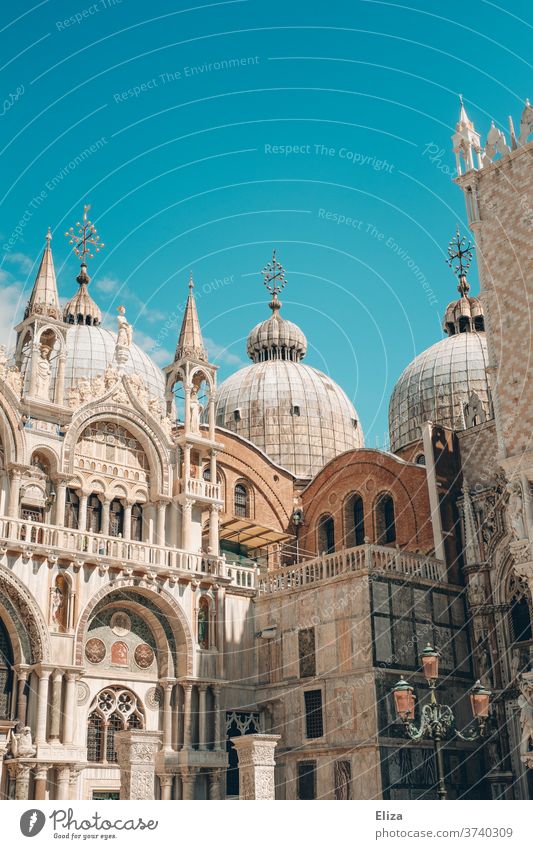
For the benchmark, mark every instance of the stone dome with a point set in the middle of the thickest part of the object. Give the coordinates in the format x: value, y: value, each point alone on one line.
x: 90, y: 349
x: 436, y: 386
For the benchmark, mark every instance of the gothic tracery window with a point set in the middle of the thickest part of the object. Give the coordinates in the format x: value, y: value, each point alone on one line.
x: 114, y: 709
x: 519, y: 612
x: 203, y: 623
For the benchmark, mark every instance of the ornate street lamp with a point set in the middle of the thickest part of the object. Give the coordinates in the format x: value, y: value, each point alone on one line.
x: 438, y: 721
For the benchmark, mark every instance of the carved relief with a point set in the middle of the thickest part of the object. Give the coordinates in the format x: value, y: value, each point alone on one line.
x: 95, y: 650
x: 143, y: 656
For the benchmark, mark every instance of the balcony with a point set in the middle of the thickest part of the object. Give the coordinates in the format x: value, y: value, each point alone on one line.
x: 200, y: 488
x: 105, y: 552
x: 370, y: 558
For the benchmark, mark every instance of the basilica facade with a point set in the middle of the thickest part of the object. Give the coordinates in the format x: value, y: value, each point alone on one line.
x: 184, y: 564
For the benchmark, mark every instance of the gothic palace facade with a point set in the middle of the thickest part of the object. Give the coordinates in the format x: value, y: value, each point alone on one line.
x: 183, y: 563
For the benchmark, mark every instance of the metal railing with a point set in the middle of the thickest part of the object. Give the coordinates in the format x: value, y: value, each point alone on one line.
x: 372, y: 558
x: 89, y: 547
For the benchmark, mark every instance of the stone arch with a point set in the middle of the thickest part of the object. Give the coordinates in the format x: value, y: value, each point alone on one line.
x: 49, y: 454
x: 167, y: 607
x: 158, y: 458
x: 24, y: 621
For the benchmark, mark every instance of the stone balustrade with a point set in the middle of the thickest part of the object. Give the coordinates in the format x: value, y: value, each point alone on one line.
x: 199, y: 488
x: 372, y: 558
x: 68, y: 543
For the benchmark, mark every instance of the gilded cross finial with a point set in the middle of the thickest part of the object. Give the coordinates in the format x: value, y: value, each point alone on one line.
x: 274, y: 280
x: 460, y: 255
x: 84, y: 238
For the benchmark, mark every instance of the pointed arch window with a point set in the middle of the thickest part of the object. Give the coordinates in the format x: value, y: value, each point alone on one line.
x: 519, y: 613
x: 203, y: 623
x: 6, y: 673
x: 359, y: 520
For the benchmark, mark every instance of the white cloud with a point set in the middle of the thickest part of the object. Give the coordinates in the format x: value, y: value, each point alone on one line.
x: 220, y: 354
x: 107, y: 284
x: 12, y: 299
x: 161, y: 356
x: 23, y: 262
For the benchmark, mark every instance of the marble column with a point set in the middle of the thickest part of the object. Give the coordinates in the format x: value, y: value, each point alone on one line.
x: 219, y: 733
x: 40, y: 774
x: 75, y: 772
x: 22, y: 777
x: 13, y: 509
x: 63, y: 782
x: 187, y: 715
x: 61, y: 497
x: 57, y: 692
x: 161, y: 518
x: 186, y: 524
x: 188, y: 780
x: 126, y: 530
x: 167, y: 686
x: 213, y: 547
x: 202, y: 716
x: 220, y: 624
x: 22, y: 698
x: 136, y: 751
x: 214, y: 778
x: 212, y: 418
x: 256, y: 765
x: 82, y: 513
x: 106, y: 504
x: 42, y: 705
x: 165, y: 782
x: 70, y: 707
x: 59, y: 388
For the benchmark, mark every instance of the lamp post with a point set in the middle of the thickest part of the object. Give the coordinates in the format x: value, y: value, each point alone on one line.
x: 438, y: 721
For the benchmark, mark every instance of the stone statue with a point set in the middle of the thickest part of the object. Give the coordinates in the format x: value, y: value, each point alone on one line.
x: 484, y: 661
x: 155, y: 407
x: 515, y: 508
x: 194, y: 420
x: 526, y: 123
x: 58, y: 607
x: 14, y: 380
x: 44, y: 371
x: 110, y: 376
x: 85, y: 389
x: 525, y: 703
x: 125, y: 332
x: 21, y: 743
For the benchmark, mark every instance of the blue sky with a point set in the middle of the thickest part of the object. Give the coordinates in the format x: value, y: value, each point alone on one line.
x: 204, y: 135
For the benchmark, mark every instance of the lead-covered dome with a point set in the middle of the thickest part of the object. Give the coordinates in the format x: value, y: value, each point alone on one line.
x: 450, y: 378
x: 91, y: 349
x: 294, y: 413
x: 436, y: 386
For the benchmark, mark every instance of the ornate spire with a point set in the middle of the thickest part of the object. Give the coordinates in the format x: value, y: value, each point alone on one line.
x: 44, y: 299
x: 190, y: 342
x: 466, y: 142
x: 274, y: 280
x: 81, y: 309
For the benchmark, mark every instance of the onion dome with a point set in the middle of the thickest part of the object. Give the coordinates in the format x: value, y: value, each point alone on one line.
x: 294, y: 413
x: 442, y: 380
x: 81, y: 309
x: 276, y: 339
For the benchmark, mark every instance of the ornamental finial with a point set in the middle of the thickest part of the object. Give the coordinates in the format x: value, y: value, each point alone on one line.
x: 191, y: 282
x: 460, y: 255
x: 49, y: 235
x: 274, y: 280
x: 85, y: 238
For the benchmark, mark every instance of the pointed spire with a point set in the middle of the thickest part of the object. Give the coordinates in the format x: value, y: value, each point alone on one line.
x: 464, y: 120
x: 44, y: 299
x: 466, y: 142
x: 190, y: 342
